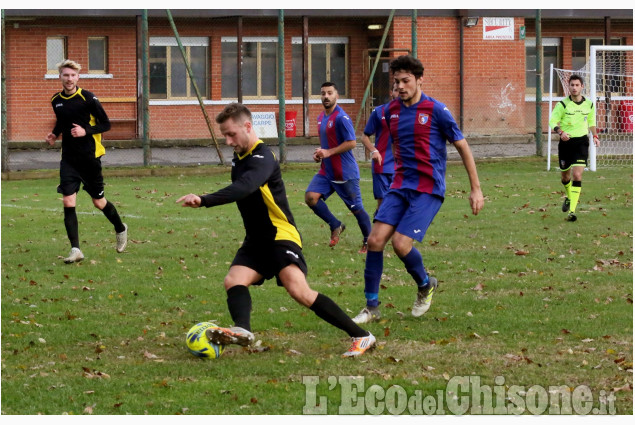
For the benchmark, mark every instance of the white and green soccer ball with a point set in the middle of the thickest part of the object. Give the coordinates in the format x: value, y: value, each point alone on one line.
x: 199, y: 345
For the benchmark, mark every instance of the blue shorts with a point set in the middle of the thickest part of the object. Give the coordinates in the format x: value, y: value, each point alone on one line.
x: 409, y: 211
x: 349, y: 191
x: 381, y: 184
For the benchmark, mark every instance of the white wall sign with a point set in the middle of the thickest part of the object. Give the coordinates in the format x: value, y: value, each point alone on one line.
x: 265, y: 124
x: 498, y: 28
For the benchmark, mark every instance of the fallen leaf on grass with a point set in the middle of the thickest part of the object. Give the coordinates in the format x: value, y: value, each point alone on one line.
x: 149, y: 355
x: 521, y: 252
x: 94, y: 374
x: 625, y: 387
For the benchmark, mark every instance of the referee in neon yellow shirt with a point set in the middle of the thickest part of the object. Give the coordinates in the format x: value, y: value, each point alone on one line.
x: 573, y: 118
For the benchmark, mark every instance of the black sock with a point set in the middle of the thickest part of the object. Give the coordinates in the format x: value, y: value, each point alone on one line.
x: 72, y: 228
x: 326, y: 309
x: 239, y: 304
x: 113, y: 216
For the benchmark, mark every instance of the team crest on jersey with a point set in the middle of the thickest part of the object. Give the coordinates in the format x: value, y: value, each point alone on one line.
x: 329, y: 124
x: 423, y: 119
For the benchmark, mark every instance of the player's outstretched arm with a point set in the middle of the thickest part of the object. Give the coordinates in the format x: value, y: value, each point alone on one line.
x: 190, y: 200
x: 476, y: 195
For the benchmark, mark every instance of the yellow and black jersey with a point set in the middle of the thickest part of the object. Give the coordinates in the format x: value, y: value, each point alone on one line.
x: 258, y: 190
x: 81, y: 108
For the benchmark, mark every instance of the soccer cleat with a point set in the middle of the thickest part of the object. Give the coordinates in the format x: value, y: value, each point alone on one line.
x: 571, y: 217
x: 364, y: 248
x: 367, y: 315
x: 424, y: 298
x: 122, y: 239
x: 566, y: 204
x: 335, y: 234
x: 360, y: 345
x: 75, y: 256
x: 233, y: 335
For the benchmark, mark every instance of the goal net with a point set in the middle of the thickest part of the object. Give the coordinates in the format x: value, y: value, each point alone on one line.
x: 608, y: 83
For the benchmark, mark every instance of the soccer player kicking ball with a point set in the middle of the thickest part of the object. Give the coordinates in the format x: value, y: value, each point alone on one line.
x: 272, y: 245
x: 573, y: 118
x: 419, y: 126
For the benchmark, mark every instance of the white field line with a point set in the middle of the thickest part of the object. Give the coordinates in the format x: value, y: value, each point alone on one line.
x: 168, y: 218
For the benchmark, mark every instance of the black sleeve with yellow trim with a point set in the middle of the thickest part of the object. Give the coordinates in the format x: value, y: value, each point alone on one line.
x: 250, y: 173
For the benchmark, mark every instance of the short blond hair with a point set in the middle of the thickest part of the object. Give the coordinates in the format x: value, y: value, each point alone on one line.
x: 67, y: 63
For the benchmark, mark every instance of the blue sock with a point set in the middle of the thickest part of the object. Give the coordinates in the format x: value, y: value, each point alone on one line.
x: 364, y: 222
x: 372, y: 277
x: 322, y: 210
x: 414, y: 266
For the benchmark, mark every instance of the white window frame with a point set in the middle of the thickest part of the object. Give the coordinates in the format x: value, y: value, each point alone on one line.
x: 329, y: 41
x: 186, y: 42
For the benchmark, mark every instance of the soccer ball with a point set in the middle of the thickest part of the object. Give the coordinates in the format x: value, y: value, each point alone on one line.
x: 199, y: 345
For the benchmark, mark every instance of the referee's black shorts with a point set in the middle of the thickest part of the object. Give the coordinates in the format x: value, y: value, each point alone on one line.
x: 74, y: 172
x: 268, y: 258
x: 573, y: 152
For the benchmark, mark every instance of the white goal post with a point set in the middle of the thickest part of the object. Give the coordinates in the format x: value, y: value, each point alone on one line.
x: 608, y: 83
x: 611, y: 91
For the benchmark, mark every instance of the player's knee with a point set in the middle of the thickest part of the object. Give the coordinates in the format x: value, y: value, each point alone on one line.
x: 302, y: 294
x: 229, y: 282
x: 311, y: 198
x: 401, y: 246
x: 375, y: 242
x: 100, y: 203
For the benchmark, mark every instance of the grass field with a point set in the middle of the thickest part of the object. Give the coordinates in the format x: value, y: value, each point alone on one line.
x: 526, y: 300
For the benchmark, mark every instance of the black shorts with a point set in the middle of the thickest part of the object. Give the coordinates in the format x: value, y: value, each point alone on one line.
x: 269, y: 258
x: 86, y: 171
x: 574, y: 152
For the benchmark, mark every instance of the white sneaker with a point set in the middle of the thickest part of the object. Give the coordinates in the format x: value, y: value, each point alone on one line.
x: 367, y: 315
x: 122, y: 239
x: 424, y: 298
x: 74, y: 256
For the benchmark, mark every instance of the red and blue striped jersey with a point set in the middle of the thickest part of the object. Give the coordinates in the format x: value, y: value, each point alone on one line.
x: 335, y: 129
x: 419, y: 133
x: 378, y: 126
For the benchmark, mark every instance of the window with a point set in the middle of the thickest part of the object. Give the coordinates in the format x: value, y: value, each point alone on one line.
x: 550, y: 55
x: 169, y: 78
x: 328, y: 61
x: 260, y: 67
x: 55, y: 53
x: 97, y: 55
x: 581, y: 49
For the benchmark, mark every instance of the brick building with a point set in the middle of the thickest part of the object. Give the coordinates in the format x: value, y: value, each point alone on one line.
x: 483, y: 72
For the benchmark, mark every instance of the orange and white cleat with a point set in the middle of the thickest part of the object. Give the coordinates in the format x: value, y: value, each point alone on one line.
x: 233, y: 335
x: 360, y: 345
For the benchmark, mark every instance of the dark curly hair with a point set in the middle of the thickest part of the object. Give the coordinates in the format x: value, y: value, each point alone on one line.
x: 407, y: 63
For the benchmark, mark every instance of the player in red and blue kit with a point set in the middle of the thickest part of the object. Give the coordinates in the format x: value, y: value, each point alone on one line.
x: 339, y: 171
x: 419, y: 126
x: 383, y: 168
